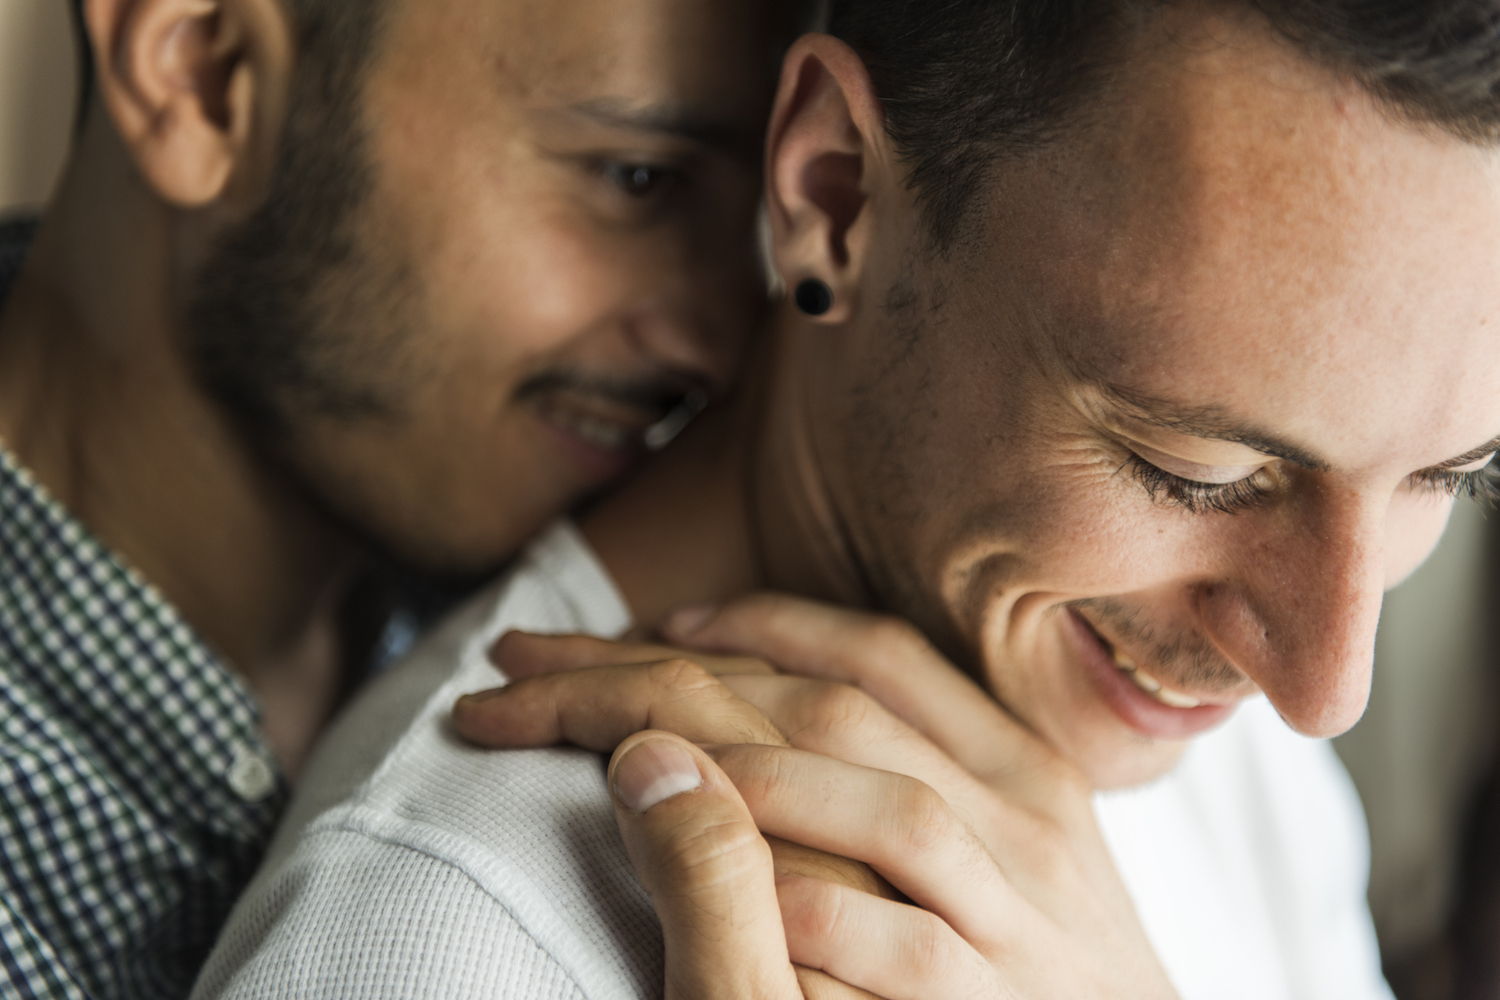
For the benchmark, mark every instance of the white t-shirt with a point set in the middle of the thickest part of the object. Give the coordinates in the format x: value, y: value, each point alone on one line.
x: 413, y: 865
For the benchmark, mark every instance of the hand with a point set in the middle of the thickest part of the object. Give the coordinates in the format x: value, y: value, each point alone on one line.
x: 1032, y: 812
x: 710, y: 871
x: 970, y: 935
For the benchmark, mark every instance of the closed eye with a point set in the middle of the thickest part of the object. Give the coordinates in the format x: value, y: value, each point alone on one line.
x: 1481, y: 484
x: 1199, y: 497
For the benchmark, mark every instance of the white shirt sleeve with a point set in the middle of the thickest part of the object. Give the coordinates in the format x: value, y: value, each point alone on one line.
x: 357, y: 918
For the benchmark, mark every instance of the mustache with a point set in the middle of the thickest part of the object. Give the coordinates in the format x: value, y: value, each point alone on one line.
x: 1191, y: 658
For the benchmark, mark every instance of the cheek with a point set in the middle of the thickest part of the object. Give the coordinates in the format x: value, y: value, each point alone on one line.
x: 1075, y: 531
x: 1412, y: 532
x: 502, y: 257
x: 1093, y: 530
x: 532, y: 284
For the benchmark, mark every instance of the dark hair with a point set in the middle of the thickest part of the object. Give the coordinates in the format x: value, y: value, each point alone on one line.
x: 967, y: 82
x: 335, y: 39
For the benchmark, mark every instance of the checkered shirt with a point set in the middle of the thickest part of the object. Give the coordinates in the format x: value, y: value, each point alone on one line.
x: 136, y: 791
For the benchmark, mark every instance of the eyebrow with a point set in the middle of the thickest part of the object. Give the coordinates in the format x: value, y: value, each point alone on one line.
x: 670, y: 119
x: 1209, y: 422
x: 1490, y: 447
x: 1213, y: 423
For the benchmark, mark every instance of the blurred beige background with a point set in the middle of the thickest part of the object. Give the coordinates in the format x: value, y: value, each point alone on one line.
x: 38, y: 81
x: 1417, y: 754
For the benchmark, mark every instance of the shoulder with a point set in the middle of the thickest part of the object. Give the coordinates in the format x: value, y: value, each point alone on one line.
x: 354, y: 916
x: 393, y: 738
x: 472, y: 874
x: 401, y: 833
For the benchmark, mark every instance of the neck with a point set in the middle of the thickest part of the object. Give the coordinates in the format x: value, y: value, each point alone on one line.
x: 99, y: 401
x: 737, y: 504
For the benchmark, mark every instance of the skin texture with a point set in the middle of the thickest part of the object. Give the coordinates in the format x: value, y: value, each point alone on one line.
x: 532, y: 276
x: 353, y: 330
x: 1242, y: 272
x: 1241, y: 248
x: 1240, y: 235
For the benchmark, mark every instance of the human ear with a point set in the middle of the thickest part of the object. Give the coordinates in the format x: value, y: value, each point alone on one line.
x: 196, y: 90
x: 826, y: 145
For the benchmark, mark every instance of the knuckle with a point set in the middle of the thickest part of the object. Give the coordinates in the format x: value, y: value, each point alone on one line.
x: 756, y: 771
x: 697, y: 856
x: 921, y: 817
x: 930, y: 952
x: 682, y: 692
x: 680, y: 675
x: 820, y: 913
x: 835, y: 709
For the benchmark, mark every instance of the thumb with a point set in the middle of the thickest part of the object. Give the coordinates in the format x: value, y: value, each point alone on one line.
x: 708, y: 870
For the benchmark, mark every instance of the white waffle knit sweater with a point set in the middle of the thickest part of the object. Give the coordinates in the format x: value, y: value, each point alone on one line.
x: 414, y: 866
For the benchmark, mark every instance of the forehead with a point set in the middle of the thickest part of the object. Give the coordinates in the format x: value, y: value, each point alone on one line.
x: 1243, y: 226
x: 540, y: 50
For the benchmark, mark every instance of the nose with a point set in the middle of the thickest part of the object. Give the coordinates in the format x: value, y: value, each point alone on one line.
x: 1298, y: 613
x: 706, y: 304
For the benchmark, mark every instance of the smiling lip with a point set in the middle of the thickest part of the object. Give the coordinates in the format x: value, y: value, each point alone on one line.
x: 604, y: 440
x: 1137, y: 709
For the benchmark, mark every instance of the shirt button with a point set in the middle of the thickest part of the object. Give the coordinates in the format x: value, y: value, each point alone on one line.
x: 251, y: 777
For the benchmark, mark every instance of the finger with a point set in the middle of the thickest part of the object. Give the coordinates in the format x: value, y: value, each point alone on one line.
x: 525, y: 654
x: 896, y: 824
x: 597, y: 708
x: 882, y: 655
x: 903, y: 951
x: 1031, y: 825
x: 845, y: 723
x: 818, y: 985
x: 708, y: 870
x: 790, y: 858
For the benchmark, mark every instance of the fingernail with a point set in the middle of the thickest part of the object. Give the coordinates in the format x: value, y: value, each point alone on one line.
x: 505, y: 639
x: 479, y: 697
x: 652, y: 772
x: 686, y: 621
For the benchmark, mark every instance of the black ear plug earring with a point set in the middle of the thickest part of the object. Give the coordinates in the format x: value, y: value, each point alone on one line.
x: 813, y: 297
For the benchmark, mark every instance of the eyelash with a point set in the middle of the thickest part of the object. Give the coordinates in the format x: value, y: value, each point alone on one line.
x: 1482, y: 485
x: 1192, y: 496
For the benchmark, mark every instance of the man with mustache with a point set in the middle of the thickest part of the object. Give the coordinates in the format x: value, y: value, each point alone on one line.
x: 1132, y: 352
x: 330, y: 289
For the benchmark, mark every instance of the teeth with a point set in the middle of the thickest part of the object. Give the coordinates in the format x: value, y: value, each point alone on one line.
x: 602, y: 434
x: 1169, y: 697
x: 1151, y: 685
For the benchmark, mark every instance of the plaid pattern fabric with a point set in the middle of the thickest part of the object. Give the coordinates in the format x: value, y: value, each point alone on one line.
x: 136, y: 792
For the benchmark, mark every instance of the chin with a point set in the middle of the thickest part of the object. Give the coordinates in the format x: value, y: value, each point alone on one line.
x: 1121, y: 767
x: 448, y: 551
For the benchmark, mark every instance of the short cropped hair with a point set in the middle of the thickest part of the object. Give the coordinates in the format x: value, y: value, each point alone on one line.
x: 965, y: 83
x: 335, y: 39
